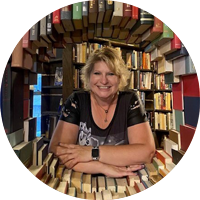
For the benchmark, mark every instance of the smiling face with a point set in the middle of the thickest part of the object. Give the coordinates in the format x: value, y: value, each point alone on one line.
x: 103, y: 82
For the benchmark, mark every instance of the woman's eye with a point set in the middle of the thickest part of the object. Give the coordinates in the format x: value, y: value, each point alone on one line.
x: 111, y: 74
x: 96, y: 73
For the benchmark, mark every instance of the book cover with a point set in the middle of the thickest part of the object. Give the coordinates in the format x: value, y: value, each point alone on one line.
x: 179, y: 119
x: 85, y: 13
x: 101, y: 11
x: 58, y: 81
x: 12, y: 99
x: 134, y: 18
x: 93, y: 11
x: 30, y: 129
x: 117, y: 14
x: 28, y: 45
x: 43, y: 29
x: 191, y: 86
x: 16, y: 137
x: 57, y: 22
x: 177, y: 91
x: 66, y: 18
x: 109, y: 11
x: 37, y: 144
x: 179, y: 66
x: 77, y: 15
x: 191, y: 110
x: 187, y: 134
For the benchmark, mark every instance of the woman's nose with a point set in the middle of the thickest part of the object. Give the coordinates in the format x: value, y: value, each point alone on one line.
x: 104, y: 79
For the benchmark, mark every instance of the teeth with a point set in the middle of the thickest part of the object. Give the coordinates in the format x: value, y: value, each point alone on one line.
x: 103, y: 87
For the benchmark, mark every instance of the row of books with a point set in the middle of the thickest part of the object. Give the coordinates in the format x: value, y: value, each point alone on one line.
x: 162, y: 101
x: 89, y: 186
x: 163, y: 121
x: 159, y: 80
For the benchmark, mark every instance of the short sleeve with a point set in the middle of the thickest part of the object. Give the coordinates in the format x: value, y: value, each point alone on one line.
x: 136, y: 112
x: 70, y: 110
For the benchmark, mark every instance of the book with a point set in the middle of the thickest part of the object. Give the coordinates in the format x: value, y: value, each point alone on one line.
x: 151, y: 170
x: 188, y: 81
x: 107, y: 195
x: 28, y: 45
x: 117, y: 195
x: 77, y: 15
x: 16, y: 137
x: 133, y: 19
x: 143, y: 174
x: 163, y: 172
x: 158, y: 164
x: 110, y: 184
x: 175, y: 137
x: 66, y: 177
x: 94, y: 184
x: 43, y: 30
x: 85, y: 9
x: 30, y: 129
x: 154, y: 32
x: 87, y: 183
x: 170, y: 78
x: 169, y: 145
x: 42, y: 153
x: 179, y: 119
x: 24, y: 152
x: 58, y: 81
x: 46, y: 178
x: 101, y: 183
x: 190, y: 68
x: 127, y: 14
x: 47, y: 161
x: 109, y: 10
x: 37, y: 144
x: 121, y: 184
x: 51, y: 32
x: 81, y: 195
x: 177, y: 156
x: 53, y: 183
x: 53, y: 167
x: 17, y: 55
x: 98, y: 196
x: 117, y: 14
x: 170, y: 166
x: 62, y: 187
x: 76, y: 181
x: 101, y: 11
x: 139, y: 187
x: 145, y: 21
x: 177, y: 54
x: 167, y: 35
x: 66, y: 18
x: 38, y: 171
x: 179, y: 66
x: 132, y: 179
x: 72, y: 191
x: 187, y: 134
x: 163, y: 156
x: 90, y: 196
x: 177, y: 90
x: 165, y: 66
x: 107, y: 30
x: 57, y: 21
x: 156, y: 55
x: 155, y: 178
x: 93, y: 11
x: 130, y: 191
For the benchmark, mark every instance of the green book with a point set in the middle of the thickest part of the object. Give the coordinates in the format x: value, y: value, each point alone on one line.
x: 166, y: 36
x: 77, y: 15
x: 178, y: 119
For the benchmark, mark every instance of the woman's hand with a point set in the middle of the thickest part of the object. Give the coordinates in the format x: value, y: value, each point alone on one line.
x: 72, y: 154
x: 117, y: 172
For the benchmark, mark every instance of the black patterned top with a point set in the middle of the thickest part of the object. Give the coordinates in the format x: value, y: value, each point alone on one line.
x: 129, y: 112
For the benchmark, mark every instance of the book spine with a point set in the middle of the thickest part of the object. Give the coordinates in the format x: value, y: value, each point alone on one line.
x: 77, y: 11
x: 101, y: 6
x: 17, y: 55
x: 49, y: 24
x: 158, y: 25
x: 56, y: 17
x: 135, y: 11
x: 175, y: 42
x: 127, y: 10
x: 85, y: 8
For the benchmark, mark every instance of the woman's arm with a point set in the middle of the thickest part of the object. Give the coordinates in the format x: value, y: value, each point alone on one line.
x: 64, y: 132
x: 140, y: 149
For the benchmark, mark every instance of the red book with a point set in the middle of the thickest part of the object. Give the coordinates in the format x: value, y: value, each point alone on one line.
x: 187, y: 134
x: 135, y: 12
x: 175, y: 42
x: 177, y: 91
x: 158, y: 25
x: 127, y: 14
x: 57, y: 22
x: 191, y: 86
x: 26, y: 108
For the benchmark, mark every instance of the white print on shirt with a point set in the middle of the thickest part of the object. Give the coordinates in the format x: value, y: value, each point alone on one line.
x: 85, y: 138
x: 135, y: 105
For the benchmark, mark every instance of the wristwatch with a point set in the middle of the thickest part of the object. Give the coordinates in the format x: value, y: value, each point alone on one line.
x: 95, y: 153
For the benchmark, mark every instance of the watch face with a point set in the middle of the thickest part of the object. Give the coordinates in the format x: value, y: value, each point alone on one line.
x: 95, y: 153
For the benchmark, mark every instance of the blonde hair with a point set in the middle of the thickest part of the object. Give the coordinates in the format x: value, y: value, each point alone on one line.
x: 113, y: 59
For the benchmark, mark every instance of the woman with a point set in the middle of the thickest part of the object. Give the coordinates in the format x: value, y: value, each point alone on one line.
x: 104, y: 129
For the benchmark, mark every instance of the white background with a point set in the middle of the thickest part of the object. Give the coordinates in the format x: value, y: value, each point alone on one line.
x: 17, y: 17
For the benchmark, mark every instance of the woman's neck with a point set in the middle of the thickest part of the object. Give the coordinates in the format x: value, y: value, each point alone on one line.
x: 104, y: 102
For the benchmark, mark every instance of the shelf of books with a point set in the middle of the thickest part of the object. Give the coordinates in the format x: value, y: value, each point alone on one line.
x: 57, y: 46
